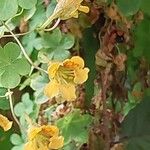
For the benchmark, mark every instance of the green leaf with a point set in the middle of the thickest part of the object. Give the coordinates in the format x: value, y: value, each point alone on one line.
x: 10, y: 79
x: 52, y: 40
x: 132, y: 68
x: 128, y: 7
x: 27, y: 81
x: 136, y: 127
x: 21, y: 66
x: 56, y: 49
x: 31, y: 42
x: 90, y: 50
x: 28, y: 103
x: 57, y: 54
x: 147, y: 92
x: 67, y: 41
x: 142, y: 40
x: 137, y: 87
x: 71, y: 146
x: 128, y: 106
x: 19, y: 147
x: 26, y: 15
x: 27, y: 4
x: 8, y: 9
x: 39, y: 17
x: 11, y: 66
x: 40, y: 98
x: 19, y: 109
x: 38, y: 83
x: 27, y: 41
x: 16, y: 139
x: 145, y: 6
x: 24, y: 107
x: 75, y: 126
x: 60, y: 54
x: 12, y: 51
x: 5, y: 143
x: 4, y: 103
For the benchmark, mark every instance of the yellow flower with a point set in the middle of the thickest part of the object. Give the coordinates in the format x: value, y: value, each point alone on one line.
x: 64, y: 77
x: 5, y: 123
x: 45, y: 137
x: 66, y: 9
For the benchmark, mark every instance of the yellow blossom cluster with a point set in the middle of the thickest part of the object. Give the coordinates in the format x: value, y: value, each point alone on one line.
x: 64, y: 76
x: 45, y: 137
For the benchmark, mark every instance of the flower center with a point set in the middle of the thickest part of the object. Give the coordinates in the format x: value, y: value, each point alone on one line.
x: 41, y: 141
x: 70, y: 64
x: 65, y: 75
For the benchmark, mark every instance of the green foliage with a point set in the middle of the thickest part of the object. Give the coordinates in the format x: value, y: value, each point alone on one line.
x: 135, y: 127
x: 128, y: 7
x: 56, y: 49
x: 71, y: 146
x: 142, y: 33
x: 90, y: 51
x: 8, y: 9
x: 4, y: 103
x: 145, y: 5
x: 27, y: 4
x: 38, y: 17
x: 133, y: 100
x: 5, y: 142
x: 74, y: 127
x: 11, y: 66
x: 26, y: 107
x: 17, y: 141
x: 31, y: 42
x: 83, y: 36
x: 38, y: 83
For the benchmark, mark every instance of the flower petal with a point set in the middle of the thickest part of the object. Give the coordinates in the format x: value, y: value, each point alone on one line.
x: 5, y: 123
x: 75, y: 14
x: 81, y: 75
x: 84, y: 9
x: 74, y: 62
x: 29, y: 146
x: 52, y: 69
x: 33, y: 131
x: 78, y: 60
x: 56, y: 142
x: 68, y: 91
x: 51, y: 89
x: 50, y: 130
x: 43, y: 138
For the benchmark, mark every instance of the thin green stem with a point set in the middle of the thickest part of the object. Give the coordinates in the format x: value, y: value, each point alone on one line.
x: 19, y: 34
x: 9, y: 93
x: 2, y: 96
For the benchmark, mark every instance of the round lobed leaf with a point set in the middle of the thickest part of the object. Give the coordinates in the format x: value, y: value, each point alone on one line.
x: 8, y: 9
x: 27, y: 4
